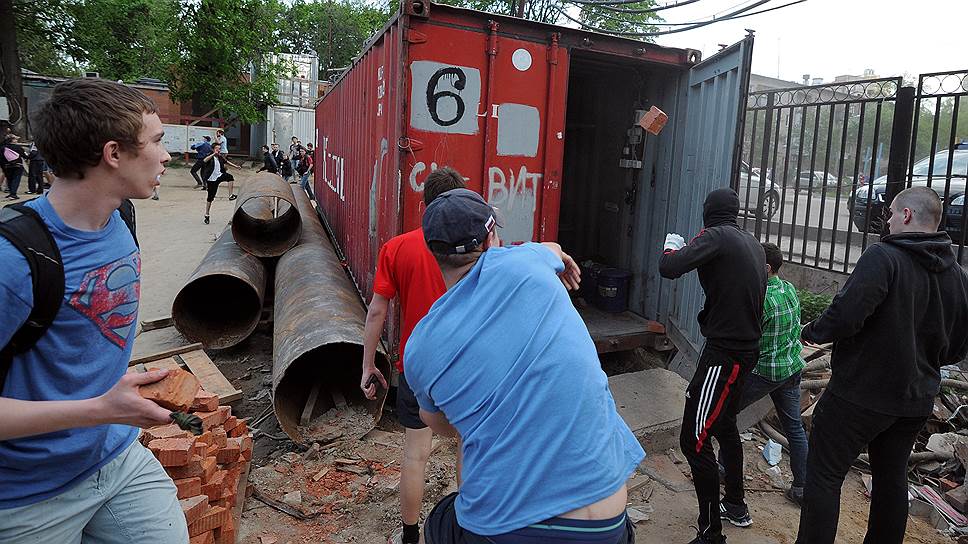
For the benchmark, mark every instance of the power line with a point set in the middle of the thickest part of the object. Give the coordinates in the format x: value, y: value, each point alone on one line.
x: 737, y: 14
x: 649, y: 10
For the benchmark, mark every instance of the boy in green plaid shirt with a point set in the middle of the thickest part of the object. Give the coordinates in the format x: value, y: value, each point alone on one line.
x: 778, y: 368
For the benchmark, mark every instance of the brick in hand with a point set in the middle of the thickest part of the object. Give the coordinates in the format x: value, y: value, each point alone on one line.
x: 176, y: 391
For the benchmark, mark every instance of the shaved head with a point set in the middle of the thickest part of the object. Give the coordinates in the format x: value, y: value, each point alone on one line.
x: 924, y: 204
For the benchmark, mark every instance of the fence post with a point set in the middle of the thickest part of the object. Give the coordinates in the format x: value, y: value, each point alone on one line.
x: 897, y: 162
x: 764, y: 161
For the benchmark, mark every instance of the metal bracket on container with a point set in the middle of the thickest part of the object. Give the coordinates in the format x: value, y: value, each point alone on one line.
x: 418, y: 8
x: 416, y: 37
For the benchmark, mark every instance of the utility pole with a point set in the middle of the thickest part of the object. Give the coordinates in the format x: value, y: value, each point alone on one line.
x: 10, y: 68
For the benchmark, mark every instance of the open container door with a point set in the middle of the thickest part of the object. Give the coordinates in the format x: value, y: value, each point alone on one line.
x: 714, y: 117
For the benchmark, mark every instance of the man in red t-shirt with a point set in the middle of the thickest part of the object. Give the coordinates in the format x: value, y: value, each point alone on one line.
x: 408, y: 270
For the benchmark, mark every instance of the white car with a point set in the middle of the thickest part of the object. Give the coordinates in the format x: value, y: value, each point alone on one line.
x: 749, y: 192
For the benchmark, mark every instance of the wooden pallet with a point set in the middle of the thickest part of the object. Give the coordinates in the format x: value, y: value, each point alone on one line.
x: 193, y: 359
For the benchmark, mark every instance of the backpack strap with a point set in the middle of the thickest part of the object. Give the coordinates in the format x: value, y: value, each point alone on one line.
x: 126, y: 209
x: 25, y: 230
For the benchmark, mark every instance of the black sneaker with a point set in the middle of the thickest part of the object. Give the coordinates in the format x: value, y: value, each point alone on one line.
x: 795, y: 495
x: 737, y: 514
x: 205, y: 220
x: 700, y: 539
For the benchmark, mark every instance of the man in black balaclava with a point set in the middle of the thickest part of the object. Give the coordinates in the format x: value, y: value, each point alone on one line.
x: 732, y: 272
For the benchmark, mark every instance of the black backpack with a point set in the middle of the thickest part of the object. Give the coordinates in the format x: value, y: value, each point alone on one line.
x: 25, y: 230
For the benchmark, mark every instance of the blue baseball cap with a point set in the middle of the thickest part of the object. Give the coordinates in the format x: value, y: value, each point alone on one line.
x: 459, y: 221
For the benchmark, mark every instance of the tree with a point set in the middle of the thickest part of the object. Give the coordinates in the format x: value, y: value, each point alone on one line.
x: 126, y: 39
x: 334, y: 31
x: 228, y: 51
x: 44, y: 31
x: 10, y: 68
x: 627, y: 18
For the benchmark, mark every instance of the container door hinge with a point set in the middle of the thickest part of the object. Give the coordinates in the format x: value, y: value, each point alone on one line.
x: 416, y: 37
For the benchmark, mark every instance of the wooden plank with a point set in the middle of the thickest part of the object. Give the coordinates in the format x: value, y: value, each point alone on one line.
x: 240, y: 498
x: 210, y: 376
x: 338, y: 399
x: 608, y: 344
x: 169, y: 363
x: 307, y: 413
x: 158, y: 323
x: 164, y: 354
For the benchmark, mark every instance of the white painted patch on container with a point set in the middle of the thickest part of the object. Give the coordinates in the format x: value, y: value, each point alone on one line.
x: 444, y: 97
x: 514, y: 194
x: 518, y: 127
x: 521, y: 59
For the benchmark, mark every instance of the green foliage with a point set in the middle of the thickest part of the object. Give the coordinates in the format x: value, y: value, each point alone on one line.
x: 812, y: 305
x: 562, y: 12
x: 228, y: 49
x: 43, y: 37
x: 335, y: 31
x: 126, y: 39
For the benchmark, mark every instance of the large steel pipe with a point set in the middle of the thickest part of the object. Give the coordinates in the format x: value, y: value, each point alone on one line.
x: 221, y: 303
x: 317, y: 333
x: 266, y: 222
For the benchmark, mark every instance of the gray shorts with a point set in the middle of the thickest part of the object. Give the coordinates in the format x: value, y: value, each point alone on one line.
x: 131, y: 499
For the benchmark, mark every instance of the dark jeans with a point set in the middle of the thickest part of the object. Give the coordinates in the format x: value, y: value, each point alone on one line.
x: 712, y: 402
x: 194, y: 171
x: 786, y: 399
x: 841, y: 430
x: 35, y: 177
x: 13, y: 179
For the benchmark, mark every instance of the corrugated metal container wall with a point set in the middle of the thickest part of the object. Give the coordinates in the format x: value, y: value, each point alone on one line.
x: 357, y: 163
x: 711, y: 133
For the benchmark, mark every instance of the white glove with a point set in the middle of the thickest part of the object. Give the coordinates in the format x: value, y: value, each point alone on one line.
x: 674, y: 242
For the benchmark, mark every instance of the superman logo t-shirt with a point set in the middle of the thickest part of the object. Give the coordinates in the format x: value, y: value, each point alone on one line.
x: 83, y: 354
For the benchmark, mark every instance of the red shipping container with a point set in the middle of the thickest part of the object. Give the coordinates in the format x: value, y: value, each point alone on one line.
x: 494, y: 97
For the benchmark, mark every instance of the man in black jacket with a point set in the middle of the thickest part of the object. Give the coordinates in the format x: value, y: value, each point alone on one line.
x: 732, y: 272
x: 901, y: 315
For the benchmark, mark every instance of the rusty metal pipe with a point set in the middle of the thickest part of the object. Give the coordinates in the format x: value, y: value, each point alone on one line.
x: 266, y: 222
x: 317, y: 330
x: 221, y: 303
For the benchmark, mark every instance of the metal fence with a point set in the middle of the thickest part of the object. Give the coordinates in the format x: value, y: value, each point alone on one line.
x: 820, y: 162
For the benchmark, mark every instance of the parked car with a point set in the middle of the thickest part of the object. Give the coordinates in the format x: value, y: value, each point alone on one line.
x: 954, y: 209
x: 749, y: 191
x: 812, y: 181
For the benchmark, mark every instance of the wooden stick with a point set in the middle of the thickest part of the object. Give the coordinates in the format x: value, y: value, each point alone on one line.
x: 307, y: 413
x: 164, y: 354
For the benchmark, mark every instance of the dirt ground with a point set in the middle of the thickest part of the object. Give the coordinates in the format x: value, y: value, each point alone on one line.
x: 348, y: 488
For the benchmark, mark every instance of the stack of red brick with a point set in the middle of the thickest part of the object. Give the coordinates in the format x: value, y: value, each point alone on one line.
x: 206, y: 469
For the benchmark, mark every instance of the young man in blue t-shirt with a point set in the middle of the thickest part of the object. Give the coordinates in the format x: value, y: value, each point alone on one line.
x: 503, y: 360
x: 71, y: 469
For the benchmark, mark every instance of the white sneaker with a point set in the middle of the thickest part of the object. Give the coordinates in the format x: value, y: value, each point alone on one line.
x: 396, y: 537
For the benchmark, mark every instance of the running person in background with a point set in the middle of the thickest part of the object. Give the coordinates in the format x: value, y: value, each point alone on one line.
x: 215, y: 173
x: 305, y: 169
x: 202, y: 149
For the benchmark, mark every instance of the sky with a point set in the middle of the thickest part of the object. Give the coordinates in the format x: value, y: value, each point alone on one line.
x: 827, y: 38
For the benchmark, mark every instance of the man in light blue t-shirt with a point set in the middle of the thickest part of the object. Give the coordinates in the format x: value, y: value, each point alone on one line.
x: 71, y: 469
x: 504, y: 360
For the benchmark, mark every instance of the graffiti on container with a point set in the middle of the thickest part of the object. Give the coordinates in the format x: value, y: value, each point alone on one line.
x: 442, y: 95
x: 515, y: 196
x: 381, y: 88
x: 338, y: 163
x: 377, y: 168
x: 418, y: 168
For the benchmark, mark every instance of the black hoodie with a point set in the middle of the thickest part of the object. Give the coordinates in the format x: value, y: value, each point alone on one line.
x: 732, y: 272
x: 900, y: 316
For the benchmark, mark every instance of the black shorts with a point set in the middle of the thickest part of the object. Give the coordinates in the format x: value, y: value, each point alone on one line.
x: 441, y: 527
x: 408, y: 411
x: 212, y: 186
